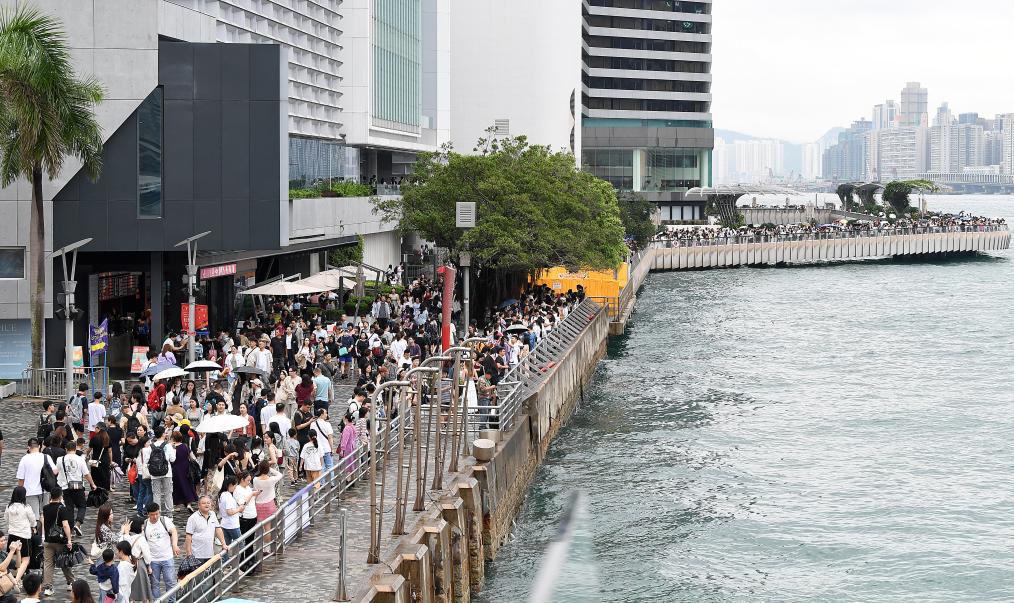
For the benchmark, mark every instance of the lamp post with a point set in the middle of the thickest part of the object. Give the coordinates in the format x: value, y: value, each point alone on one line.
x: 376, y: 520
x: 191, y: 244
x: 402, y: 502
x: 465, y: 218
x: 70, y: 312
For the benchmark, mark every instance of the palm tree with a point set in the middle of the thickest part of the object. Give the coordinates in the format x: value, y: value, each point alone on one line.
x: 46, y: 114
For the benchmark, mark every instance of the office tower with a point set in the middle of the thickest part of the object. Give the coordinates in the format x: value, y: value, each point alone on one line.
x: 885, y: 115
x: 914, y: 108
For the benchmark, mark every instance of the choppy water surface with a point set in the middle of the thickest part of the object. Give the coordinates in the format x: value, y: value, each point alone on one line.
x: 822, y: 433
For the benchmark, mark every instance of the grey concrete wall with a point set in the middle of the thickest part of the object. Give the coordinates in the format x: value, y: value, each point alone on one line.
x: 748, y: 254
x: 223, y: 107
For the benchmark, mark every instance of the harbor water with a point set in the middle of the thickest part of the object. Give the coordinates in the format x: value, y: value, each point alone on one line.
x: 833, y: 432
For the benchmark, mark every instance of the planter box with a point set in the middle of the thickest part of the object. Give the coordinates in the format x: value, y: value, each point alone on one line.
x: 8, y: 390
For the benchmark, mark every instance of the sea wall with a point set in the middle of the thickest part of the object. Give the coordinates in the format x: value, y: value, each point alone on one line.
x: 443, y: 558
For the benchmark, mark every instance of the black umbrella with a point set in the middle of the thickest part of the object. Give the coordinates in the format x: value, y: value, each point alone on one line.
x: 250, y: 370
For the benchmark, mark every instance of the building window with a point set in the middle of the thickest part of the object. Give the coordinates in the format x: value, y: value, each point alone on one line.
x: 12, y: 262
x: 149, y: 156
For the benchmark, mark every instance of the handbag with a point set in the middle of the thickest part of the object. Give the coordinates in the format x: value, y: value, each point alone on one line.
x: 66, y: 559
x: 132, y: 474
x: 343, y: 351
x: 217, y: 478
x: 97, y: 497
x: 6, y: 583
x: 96, y: 550
x: 188, y: 563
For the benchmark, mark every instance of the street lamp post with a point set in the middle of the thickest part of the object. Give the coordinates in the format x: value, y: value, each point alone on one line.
x: 191, y: 244
x: 376, y: 519
x: 69, y: 310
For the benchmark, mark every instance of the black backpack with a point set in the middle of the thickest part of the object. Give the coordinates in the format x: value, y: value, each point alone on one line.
x: 133, y: 423
x: 45, y: 427
x: 47, y: 477
x: 158, y: 464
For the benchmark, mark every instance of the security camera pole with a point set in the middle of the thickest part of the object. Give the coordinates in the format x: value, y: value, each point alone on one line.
x: 191, y: 244
x: 69, y: 285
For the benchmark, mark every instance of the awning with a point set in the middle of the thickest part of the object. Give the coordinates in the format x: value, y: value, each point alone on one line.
x: 329, y: 280
x: 281, y: 288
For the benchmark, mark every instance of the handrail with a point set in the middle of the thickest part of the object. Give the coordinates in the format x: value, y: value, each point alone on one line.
x: 819, y: 236
x: 268, y: 537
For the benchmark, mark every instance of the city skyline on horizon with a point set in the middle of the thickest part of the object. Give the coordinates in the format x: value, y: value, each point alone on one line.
x: 750, y: 99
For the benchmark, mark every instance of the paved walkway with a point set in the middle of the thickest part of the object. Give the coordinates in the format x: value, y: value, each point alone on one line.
x: 308, y: 569
x: 18, y: 421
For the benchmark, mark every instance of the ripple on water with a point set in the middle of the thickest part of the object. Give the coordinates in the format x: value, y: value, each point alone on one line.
x: 820, y: 433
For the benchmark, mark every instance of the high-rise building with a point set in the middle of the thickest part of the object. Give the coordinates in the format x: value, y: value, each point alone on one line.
x: 759, y: 160
x: 885, y: 115
x: 943, y: 142
x: 813, y: 154
x: 968, y: 118
x: 646, y: 96
x: 971, y: 145
x: 914, y: 109
x: 847, y: 160
x: 1008, y: 143
x: 903, y: 153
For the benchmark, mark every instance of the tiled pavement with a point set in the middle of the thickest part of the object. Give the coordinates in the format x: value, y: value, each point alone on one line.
x: 18, y: 420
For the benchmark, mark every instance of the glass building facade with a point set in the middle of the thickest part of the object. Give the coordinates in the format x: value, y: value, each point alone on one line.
x: 649, y: 169
x: 397, y: 64
x: 313, y: 160
x: 149, y: 156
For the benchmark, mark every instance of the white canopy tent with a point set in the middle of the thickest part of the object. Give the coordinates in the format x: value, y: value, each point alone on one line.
x: 283, y: 288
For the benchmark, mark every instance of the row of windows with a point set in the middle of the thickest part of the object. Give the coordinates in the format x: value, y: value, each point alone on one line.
x: 692, y: 27
x: 624, y: 158
x: 646, y: 104
x: 622, y: 83
x: 642, y: 44
x: 639, y: 64
x: 700, y: 8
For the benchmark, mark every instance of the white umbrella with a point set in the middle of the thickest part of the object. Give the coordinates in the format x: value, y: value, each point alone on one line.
x: 327, y: 280
x: 221, y: 423
x: 169, y: 373
x: 202, y: 366
x: 280, y: 288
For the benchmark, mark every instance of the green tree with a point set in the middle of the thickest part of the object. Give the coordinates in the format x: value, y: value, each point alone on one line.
x: 868, y: 197
x: 636, y: 214
x: 896, y: 193
x: 535, y: 210
x: 46, y: 115
x: 845, y: 192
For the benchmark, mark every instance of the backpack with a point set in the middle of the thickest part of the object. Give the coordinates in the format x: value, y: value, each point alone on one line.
x: 45, y: 426
x: 47, y: 477
x: 154, y: 403
x: 158, y: 464
x: 55, y: 531
x: 133, y: 423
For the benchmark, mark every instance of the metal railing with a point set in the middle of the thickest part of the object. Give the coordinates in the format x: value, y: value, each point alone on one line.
x: 519, y: 381
x: 219, y: 575
x: 52, y: 382
x: 830, y: 235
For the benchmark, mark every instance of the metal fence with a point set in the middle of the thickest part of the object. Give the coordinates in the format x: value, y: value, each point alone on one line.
x: 830, y: 235
x: 213, y: 580
x: 522, y: 379
x: 52, y: 382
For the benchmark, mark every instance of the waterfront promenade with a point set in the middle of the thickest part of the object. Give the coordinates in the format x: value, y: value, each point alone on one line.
x: 763, y: 249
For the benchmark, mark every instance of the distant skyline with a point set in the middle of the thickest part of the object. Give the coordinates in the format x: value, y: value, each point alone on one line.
x: 792, y: 69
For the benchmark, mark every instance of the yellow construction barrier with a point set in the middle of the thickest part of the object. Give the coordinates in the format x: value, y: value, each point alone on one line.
x: 596, y: 283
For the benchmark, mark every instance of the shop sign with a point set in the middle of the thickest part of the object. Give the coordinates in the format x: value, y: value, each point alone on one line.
x: 200, y: 314
x: 15, y: 347
x: 217, y: 271
x: 138, y: 357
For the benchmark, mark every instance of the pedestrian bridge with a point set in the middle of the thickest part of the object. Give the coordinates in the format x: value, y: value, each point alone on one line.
x: 759, y: 250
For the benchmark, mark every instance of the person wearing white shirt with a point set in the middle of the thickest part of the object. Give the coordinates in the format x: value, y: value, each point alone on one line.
x: 398, y: 346
x: 230, y: 509
x: 203, y: 528
x: 125, y: 570
x: 279, y: 418
x: 325, y: 438
x: 96, y: 413
x: 72, y: 473
x: 161, y: 536
x: 29, y: 476
x: 261, y: 357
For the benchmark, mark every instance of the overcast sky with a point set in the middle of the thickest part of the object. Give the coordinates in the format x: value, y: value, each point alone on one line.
x: 792, y: 69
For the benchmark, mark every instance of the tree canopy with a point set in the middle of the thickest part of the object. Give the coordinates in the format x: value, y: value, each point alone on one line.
x: 636, y: 214
x: 896, y: 193
x: 535, y: 209
x: 46, y: 114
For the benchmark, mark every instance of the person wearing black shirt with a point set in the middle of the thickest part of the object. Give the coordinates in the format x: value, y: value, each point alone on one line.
x: 301, y: 420
x: 115, y: 439
x: 57, y: 519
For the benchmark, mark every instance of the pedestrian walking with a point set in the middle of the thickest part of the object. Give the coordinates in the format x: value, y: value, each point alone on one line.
x: 157, y: 459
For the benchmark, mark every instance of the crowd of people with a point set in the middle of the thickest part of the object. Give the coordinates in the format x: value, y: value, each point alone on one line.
x: 675, y: 236
x: 194, y: 492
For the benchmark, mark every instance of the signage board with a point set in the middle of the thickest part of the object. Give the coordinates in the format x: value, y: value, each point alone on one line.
x: 200, y: 315
x: 216, y: 271
x: 138, y: 358
x: 15, y: 347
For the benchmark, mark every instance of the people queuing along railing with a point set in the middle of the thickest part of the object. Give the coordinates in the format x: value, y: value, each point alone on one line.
x: 222, y: 573
x: 827, y: 235
x: 517, y: 383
